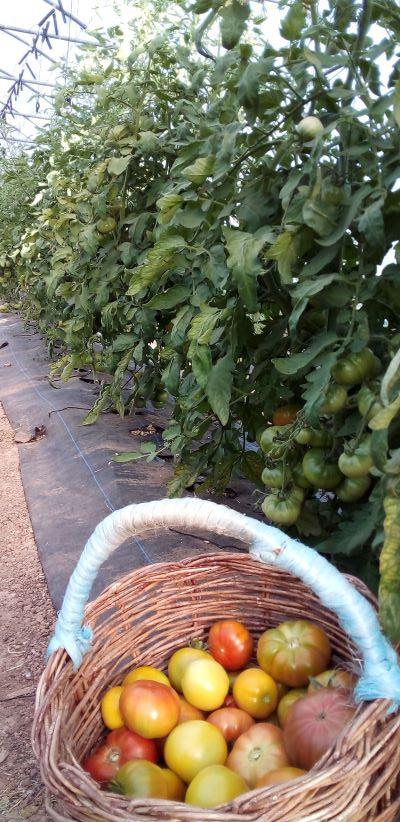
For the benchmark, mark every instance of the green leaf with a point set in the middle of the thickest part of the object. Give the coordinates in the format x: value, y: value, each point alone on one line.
x: 383, y: 418
x: 184, y: 476
x: 354, y: 531
x: 371, y: 224
x: 294, y: 22
x: 201, y: 362
x: 234, y: 18
x: 159, y: 259
x: 295, y: 363
x: 203, y: 324
x: 347, y: 217
x: 320, y: 215
x: 301, y: 294
x: 379, y: 447
x: 171, y: 375
x: 122, y: 342
x: 243, y: 250
x: 252, y: 465
x: 101, y: 403
x: 396, y: 102
x: 169, y: 298
x: 117, y: 165
x: 146, y: 449
x: 219, y: 387
x: 285, y: 251
x: 318, y: 379
x: 148, y: 142
x: 198, y: 171
x: 168, y: 205
x: 319, y: 261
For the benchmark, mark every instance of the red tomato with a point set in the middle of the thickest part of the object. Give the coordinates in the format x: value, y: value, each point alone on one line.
x: 314, y: 723
x: 149, y: 708
x: 230, y: 702
x: 285, y: 414
x: 230, y: 643
x: 232, y: 722
x: 120, y: 746
x: 279, y: 775
x: 258, y: 750
x: 294, y: 651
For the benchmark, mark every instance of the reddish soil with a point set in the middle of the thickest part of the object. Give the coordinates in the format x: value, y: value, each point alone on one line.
x: 26, y: 620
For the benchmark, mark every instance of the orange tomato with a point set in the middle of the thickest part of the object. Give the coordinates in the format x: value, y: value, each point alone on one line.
x: 187, y: 711
x: 110, y: 709
x: 145, y: 672
x: 255, y: 692
x: 176, y: 787
x: 285, y: 414
x: 151, y: 709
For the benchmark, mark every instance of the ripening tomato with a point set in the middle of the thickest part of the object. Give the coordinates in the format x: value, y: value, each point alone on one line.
x: 257, y: 751
x: 187, y: 711
x: 140, y: 779
x: 205, y: 684
x: 149, y: 708
x: 103, y: 763
x: 179, y: 662
x: 335, y: 678
x: 294, y: 651
x: 310, y: 127
x: 110, y: 709
x: 321, y: 470
x: 286, y: 703
x: 279, y: 775
x: 232, y: 722
x: 120, y: 746
x: 285, y: 414
x: 256, y: 693
x: 146, y: 672
x: 314, y: 723
x: 214, y: 786
x: 230, y: 643
x: 176, y: 787
x: 192, y: 746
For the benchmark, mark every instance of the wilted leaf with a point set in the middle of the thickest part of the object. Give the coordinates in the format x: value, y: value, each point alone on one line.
x: 243, y: 250
x: 198, y: 171
x: 285, y: 251
x: 383, y: 418
x: 101, y: 403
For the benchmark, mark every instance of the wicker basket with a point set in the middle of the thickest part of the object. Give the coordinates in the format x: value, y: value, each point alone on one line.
x: 154, y: 610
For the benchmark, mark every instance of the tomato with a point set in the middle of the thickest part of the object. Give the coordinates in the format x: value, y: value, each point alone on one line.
x: 232, y: 722
x: 297, y: 492
x: 286, y: 703
x: 294, y: 651
x: 214, y: 786
x: 140, y: 779
x: 367, y: 402
x: 279, y: 775
x: 309, y: 127
x: 299, y: 477
x: 205, y: 684
x: 285, y: 415
x: 314, y: 723
x: 351, y: 490
x: 179, y: 662
x: 160, y: 399
x: 106, y: 225
x: 335, y: 400
x: 151, y: 709
x: 282, y: 690
x: 187, y: 711
x: 272, y: 440
x: 283, y: 509
x: 176, y: 788
x: 132, y: 746
x: 145, y: 672
x: 229, y: 701
x: 317, y: 437
x: 230, y: 643
x: 354, y: 368
x: 257, y: 751
x: 256, y: 693
x: 356, y: 461
x: 321, y: 470
x: 193, y: 746
x: 110, y: 709
x: 335, y: 678
x: 103, y: 763
x: 273, y: 477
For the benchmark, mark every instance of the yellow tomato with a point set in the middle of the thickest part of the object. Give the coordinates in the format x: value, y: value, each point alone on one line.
x: 179, y: 662
x: 192, y: 746
x: 146, y: 672
x: 176, y: 788
x: 205, y: 684
x: 256, y: 692
x: 110, y: 711
x: 214, y: 786
x: 287, y: 701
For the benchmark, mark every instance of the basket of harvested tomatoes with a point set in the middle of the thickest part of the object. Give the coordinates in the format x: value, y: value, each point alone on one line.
x: 228, y: 686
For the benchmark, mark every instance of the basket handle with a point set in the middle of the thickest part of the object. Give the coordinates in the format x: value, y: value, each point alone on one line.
x: 381, y: 672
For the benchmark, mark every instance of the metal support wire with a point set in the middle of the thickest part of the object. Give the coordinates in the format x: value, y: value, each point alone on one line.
x: 59, y: 7
x: 45, y: 36
x: 4, y: 75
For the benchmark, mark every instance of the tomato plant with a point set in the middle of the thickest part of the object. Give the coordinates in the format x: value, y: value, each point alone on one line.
x: 230, y: 643
x: 293, y: 652
x: 149, y: 708
x: 314, y: 723
x: 192, y: 746
x: 258, y: 750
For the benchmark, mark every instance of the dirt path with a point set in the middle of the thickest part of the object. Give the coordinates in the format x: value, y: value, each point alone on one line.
x: 26, y: 618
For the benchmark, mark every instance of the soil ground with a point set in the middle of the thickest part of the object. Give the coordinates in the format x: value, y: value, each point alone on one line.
x: 27, y: 617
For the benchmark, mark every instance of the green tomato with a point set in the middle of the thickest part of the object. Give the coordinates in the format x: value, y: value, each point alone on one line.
x: 335, y: 400
x: 355, y: 368
x: 351, y: 490
x: 297, y: 492
x: 299, y: 477
x: 160, y: 399
x: 318, y: 438
x: 309, y: 127
x: 106, y: 225
x: 282, y: 510
x: 139, y: 402
x: 268, y: 442
x: 356, y: 462
x: 272, y: 477
x: 320, y: 470
x: 368, y: 404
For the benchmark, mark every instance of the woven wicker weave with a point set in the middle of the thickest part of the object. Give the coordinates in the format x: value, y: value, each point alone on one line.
x: 145, y: 617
